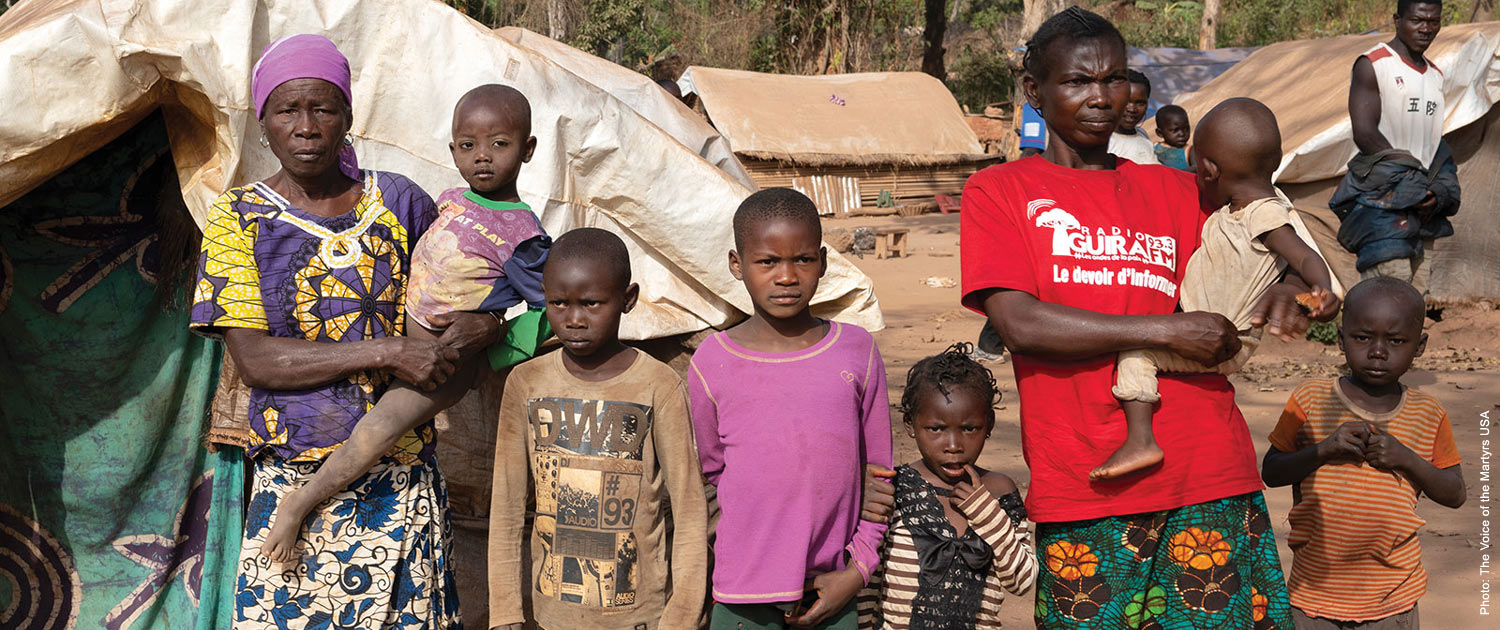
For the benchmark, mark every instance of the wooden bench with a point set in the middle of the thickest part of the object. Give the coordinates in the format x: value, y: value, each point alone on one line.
x: 890, y: 242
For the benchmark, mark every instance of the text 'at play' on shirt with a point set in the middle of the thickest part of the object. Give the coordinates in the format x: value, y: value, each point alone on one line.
x: 1115, y: 242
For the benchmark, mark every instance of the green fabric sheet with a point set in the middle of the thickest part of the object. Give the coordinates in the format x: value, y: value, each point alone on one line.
x: 106, y: 493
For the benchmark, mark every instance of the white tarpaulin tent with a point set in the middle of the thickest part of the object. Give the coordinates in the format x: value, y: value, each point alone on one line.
x: 76, y: 73
x: 639, y: 93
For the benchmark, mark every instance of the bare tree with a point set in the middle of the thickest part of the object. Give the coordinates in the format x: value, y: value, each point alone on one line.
x: 932, y: 33
x: 1484, y: 11
x: 1034, y: 12
x: 1208, y: 30
x: 557, y: 19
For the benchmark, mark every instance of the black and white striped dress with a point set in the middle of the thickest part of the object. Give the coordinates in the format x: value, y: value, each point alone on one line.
x: 966, y: 577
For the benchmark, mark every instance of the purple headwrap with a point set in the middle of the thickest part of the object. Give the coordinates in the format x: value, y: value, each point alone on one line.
x: 303, y: 56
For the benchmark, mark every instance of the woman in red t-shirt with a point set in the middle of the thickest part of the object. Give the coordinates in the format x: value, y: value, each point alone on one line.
x: 1075, y: 255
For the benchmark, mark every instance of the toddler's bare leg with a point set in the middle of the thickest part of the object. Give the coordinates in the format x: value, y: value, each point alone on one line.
x: 1139, y: 450
x: 398, y: 411
x: 1135, y: 386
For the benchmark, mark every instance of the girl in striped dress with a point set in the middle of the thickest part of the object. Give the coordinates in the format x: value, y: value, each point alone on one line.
x: 958, y: 538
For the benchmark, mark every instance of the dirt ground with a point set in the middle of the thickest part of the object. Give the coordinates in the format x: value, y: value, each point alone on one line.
x: 920, y: 298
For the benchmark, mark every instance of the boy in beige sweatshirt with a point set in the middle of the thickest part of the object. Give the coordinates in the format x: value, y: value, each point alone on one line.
x: 600, y: 433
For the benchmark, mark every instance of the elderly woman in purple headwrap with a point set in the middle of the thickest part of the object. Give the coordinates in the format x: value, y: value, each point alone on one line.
x: 304, y: 276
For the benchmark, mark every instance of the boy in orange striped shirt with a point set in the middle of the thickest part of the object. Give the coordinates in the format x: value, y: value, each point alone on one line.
x: 1361, y: 448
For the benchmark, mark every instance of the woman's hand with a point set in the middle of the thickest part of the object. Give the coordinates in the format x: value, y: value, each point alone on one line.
x: 423, y: 363
x: 1208, y: 338
x: 1278, y: 310
x: 469, y: 332
x: 1031, y: 327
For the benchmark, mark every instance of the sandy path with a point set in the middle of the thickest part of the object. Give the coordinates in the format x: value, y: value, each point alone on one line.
x: 922, y: 320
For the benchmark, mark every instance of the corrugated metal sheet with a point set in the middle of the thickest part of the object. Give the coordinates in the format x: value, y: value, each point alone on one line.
x: 833, y: 194
x: 906, y: 184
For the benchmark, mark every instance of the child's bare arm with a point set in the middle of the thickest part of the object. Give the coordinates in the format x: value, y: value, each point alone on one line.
x: 1284, y: 469
x: 879, y: 494
x: 1444, y: 485
x: 1284, y: 242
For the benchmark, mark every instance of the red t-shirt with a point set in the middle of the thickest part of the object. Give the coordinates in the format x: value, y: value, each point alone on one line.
x: 1111, y: 242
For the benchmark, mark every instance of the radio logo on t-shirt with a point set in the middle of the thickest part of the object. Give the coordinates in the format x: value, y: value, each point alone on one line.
x: 1073, y: 239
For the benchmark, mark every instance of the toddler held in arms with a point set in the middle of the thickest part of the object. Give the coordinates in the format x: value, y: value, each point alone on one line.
x: 1246, y: 245
x: 484, y: 253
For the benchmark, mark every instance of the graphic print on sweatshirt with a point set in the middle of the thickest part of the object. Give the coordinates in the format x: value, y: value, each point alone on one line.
x: 586, y: 461
x: 1086, y: 244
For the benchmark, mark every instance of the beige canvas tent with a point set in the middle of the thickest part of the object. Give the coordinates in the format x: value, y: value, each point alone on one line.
x: 1307, y: 84
x: 843, y: 139
x: 100, y: 66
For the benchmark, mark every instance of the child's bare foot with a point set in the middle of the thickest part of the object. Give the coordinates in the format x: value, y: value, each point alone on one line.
x: 1132, y: 456
x: 281, y: 541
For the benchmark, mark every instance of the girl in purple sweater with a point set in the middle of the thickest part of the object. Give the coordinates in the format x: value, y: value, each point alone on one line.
x: 787, y: 409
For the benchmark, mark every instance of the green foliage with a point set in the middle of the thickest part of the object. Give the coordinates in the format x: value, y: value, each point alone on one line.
x: 1162, y: 23
x: 1261, y: 22
x: 1257, y: 22
x: 978, y: 78
x: 491, y: 13
x: 835, y: 36
x: 832, y: 36
x: 628, y: 32
x: 1326, y: 333
x: 980, y: 68
x: 989, y: 15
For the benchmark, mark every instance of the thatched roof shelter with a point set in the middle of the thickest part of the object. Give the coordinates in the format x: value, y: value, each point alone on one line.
x: 847, y: 140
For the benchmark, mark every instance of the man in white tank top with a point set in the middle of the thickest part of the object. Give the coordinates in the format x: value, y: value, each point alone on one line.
x: 1396, y: 105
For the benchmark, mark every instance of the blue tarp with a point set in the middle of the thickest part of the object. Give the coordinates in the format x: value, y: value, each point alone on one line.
x: 1175, y: 71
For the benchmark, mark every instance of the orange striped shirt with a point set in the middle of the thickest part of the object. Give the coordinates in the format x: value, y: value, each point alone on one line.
x: 1355, y: 553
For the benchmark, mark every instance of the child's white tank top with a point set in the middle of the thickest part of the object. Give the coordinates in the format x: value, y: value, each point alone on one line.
x: 1411, y: 103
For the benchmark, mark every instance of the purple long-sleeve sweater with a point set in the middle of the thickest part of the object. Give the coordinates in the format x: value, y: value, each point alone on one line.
x: 785, y: 437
